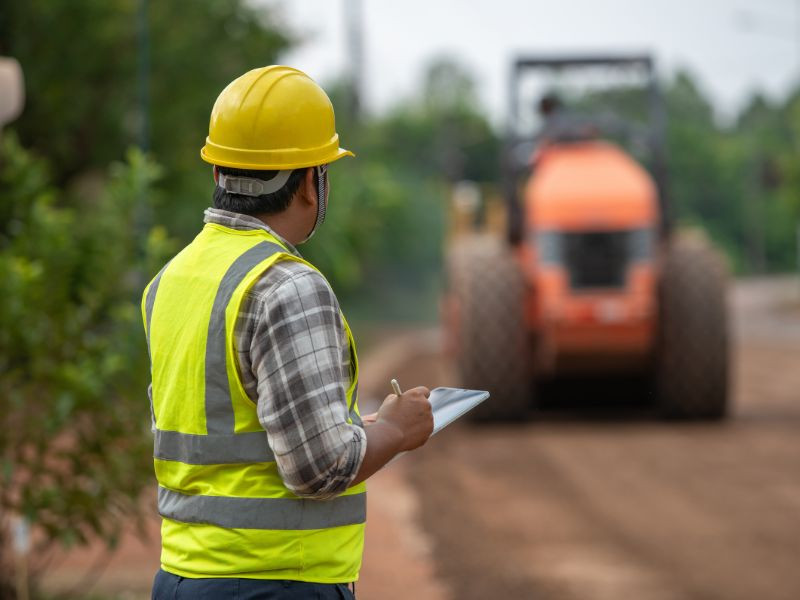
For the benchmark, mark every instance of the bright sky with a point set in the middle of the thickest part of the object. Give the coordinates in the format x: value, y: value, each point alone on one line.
x: 734, y: 46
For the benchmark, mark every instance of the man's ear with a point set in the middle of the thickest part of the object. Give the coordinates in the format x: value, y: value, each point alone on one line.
x: 307, y: 187
x: 216, y: 174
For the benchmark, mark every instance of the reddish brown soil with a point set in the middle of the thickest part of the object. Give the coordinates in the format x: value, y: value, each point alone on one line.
x: 573, y: 507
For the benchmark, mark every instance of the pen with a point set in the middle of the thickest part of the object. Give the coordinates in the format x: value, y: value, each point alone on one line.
x: 396, y: 387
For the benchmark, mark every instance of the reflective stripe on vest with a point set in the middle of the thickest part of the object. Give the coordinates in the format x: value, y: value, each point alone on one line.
x: 221, y: 449
x: 222, y: 445
x: 219, y: 412
x: 262, y: 513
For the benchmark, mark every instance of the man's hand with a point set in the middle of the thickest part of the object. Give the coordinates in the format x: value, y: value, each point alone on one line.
x: 402, y: 423
x: 411, y: 414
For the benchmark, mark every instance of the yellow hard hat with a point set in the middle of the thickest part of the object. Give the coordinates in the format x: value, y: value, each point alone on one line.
x: 272, y: 118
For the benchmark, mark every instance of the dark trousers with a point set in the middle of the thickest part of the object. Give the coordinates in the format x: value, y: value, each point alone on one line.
x: 171, y: 587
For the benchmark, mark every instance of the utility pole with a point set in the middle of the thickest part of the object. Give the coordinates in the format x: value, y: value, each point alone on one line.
x: 143, y: 75
x: 141, y: 211
x: 355, y: 55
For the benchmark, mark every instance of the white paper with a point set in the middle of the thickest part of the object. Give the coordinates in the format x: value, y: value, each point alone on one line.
x: 449, y: 404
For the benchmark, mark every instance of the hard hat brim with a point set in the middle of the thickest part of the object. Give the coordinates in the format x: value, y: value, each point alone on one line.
x: 216, y: 155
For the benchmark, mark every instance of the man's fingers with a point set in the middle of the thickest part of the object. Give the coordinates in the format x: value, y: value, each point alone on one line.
x: 422, y: 390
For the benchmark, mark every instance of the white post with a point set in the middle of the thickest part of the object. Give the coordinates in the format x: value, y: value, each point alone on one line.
x: 22, y: 546
x: 12, y: 90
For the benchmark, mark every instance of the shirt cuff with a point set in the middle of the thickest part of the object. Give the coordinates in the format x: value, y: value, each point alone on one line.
x: 338, y: 477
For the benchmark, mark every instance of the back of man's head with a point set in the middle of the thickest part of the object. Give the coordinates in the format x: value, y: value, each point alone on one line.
x: 265, y: 204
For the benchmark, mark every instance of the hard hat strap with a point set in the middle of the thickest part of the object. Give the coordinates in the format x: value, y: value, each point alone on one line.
x: 249, y: 186
x: 321, y: 176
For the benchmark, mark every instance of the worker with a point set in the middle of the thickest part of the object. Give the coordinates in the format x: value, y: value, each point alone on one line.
x: 555, y: 120
x: 260, y: 451
x: 563, y: 126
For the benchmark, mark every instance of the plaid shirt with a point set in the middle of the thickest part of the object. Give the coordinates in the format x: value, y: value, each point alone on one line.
x: 294, y: 361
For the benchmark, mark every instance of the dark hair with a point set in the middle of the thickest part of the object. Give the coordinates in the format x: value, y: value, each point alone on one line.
x: 549, y: 104
x: 266, y: 204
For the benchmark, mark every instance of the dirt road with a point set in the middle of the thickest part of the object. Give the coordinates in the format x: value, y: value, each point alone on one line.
x: 569, y: 507
x: 630, y: 507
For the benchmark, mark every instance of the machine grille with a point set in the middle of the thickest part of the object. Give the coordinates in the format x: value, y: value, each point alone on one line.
x: 597, y: 259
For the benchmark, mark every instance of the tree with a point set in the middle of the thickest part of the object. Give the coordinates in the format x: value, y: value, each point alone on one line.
x: 85, y: 100
x: 74, y: 434
x: 443, y: 132
x: 703, y: 189
x: 383, y: 240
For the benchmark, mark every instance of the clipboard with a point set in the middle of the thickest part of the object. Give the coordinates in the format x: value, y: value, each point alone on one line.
x: 450, y: 404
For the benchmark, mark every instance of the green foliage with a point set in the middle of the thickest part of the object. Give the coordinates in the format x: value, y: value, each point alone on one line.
x: 362, y: 197
x: 85, y: 100
x: 787, y: 163
x: 381, y: 245
x: 382, y: 239
x: 739, y: 182
x: 443, y: 133
x: 700, y: 186
x: 74, y: 435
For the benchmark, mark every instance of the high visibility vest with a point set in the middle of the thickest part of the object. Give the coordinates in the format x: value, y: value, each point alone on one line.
x: 225, y: 509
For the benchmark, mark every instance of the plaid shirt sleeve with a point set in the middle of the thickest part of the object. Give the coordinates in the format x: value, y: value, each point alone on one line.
x: 294, y: 359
